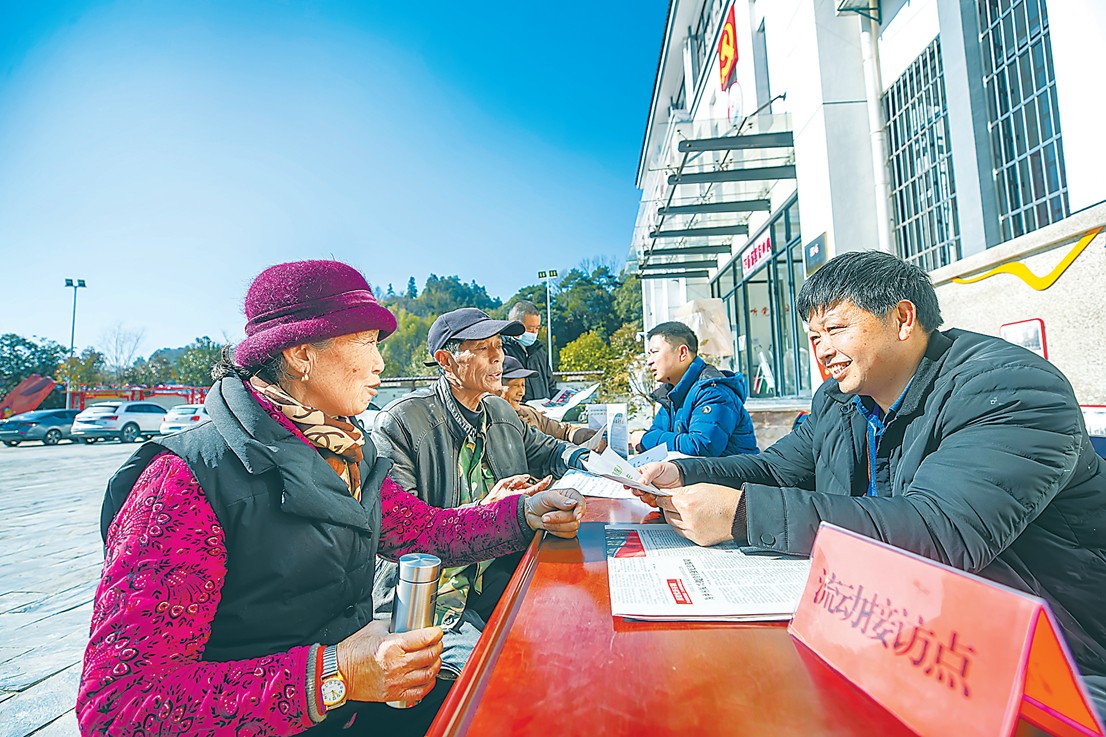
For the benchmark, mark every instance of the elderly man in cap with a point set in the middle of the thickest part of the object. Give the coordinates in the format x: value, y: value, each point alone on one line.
x: 514, y: 388
x: 460, y: 443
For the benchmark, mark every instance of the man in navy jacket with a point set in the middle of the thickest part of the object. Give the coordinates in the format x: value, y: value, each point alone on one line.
x: 702, y: 409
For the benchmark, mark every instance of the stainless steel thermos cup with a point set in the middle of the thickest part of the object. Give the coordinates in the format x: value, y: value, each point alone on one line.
x: 415, y: 598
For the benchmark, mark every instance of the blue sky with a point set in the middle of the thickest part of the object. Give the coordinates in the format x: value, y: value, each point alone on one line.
x: 168, y: 150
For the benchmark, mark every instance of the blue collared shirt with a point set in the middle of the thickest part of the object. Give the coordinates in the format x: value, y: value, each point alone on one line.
x: 877, y: 423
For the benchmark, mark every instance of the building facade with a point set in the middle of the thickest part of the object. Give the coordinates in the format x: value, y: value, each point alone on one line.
x: 957, y: 134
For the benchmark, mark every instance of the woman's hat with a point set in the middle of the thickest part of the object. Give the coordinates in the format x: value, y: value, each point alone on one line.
x: 305, y: 302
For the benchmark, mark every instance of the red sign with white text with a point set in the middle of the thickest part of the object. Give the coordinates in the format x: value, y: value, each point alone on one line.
x: 727, y: 51
x: 946, y: 652
x: 756, y: 255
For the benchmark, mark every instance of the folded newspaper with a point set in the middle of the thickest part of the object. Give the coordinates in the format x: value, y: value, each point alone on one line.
x: 607, y: 474
x: 560, y: 403
x: 655, y: 574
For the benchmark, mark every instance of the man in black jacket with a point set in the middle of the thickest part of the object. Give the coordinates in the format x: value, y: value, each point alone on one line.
x: 956, y: 446
x: 529, y: 351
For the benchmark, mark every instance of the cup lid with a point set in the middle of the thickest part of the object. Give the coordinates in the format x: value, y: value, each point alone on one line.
x: 419, y: 567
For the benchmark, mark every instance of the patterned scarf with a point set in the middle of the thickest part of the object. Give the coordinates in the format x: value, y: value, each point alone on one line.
x: 338, y: 441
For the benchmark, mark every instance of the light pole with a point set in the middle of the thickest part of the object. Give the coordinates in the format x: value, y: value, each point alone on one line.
x: 547, y: 275
x: 74, y: 284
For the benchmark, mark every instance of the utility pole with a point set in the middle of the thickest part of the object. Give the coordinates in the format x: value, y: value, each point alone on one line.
x: 73, y: 284
x: 548, y: 275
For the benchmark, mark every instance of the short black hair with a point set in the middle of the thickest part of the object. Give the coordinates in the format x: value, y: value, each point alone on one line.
x: 676, y: 334
x: 875, y: 282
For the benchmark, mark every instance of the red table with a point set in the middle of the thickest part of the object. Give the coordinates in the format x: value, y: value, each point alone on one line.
x: 553, y: 661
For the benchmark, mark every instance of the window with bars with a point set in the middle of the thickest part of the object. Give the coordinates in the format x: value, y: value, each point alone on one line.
x: 927, y: 227
x: 1024, y: 120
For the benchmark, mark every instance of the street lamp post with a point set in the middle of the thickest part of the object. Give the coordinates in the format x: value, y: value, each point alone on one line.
x: 74, y: 284
x: 548, y: 275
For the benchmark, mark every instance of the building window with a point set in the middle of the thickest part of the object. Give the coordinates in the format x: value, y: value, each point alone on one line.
x: 1023, y: 117
x: 771, y: 344
x: 927, y: 227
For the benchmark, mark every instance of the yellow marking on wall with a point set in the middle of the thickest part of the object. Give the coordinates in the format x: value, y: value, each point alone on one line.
x: 1020, y: 270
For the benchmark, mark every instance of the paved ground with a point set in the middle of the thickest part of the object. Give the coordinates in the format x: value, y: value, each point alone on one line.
x: 50, y: 557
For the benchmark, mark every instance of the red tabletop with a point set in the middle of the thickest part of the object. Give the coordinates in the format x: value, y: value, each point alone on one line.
x: 554, y: 661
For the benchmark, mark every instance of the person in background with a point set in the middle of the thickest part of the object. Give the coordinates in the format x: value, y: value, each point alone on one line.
x: 514, y: 388
x: 458, y: 443
x: 528, y: 350
x: 702, y: 410
x: 235, y: 596
x: 956, y: 446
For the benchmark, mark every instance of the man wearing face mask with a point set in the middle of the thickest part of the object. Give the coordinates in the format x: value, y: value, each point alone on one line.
x: 529, y: 351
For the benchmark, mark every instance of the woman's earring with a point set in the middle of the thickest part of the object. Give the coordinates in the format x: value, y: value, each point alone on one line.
x: 304, y: 377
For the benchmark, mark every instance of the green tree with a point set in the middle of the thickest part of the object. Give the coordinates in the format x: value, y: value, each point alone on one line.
x: 405, y: 350
x: 412, y: 289
x: 589, y: 352
x: 196, y: 361
x: 20, y: 357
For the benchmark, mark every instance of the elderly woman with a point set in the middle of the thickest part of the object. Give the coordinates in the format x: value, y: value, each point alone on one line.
x: 236, y: 590
x: 514, y: 388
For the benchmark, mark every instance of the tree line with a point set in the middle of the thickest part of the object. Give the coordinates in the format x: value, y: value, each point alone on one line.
x: 596, y: 327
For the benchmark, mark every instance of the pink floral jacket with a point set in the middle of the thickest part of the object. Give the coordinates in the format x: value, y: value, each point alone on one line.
x: 164, y: 566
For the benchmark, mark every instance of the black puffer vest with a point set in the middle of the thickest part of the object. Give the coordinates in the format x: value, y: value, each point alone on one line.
x: 300, y: 548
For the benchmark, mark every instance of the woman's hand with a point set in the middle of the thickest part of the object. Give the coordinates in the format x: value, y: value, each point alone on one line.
x: 556, y: 511
x: 380, y: 666
x: 518, y: 484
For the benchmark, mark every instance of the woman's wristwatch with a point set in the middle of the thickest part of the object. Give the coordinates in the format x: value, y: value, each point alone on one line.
x: 333, y: 686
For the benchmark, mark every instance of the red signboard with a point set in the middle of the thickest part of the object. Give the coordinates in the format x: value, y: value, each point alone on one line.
x: 727, y: 51
x: 26, y: 395
x: 756, y: 255
x: 946, y: 652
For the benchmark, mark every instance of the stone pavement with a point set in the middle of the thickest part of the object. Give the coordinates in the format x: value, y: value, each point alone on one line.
x: 50, y: 557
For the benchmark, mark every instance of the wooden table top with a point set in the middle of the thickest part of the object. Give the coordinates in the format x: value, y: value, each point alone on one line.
x: 554, y: 661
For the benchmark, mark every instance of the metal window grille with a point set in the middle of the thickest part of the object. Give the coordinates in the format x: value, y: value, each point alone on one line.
x: 926, y: 223
x: 1023, y: 117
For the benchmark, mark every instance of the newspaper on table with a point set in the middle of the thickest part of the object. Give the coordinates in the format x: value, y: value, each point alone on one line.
x: 654, y: 574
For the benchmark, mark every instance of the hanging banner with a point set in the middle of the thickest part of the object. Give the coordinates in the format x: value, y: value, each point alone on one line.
x: 757, y: 255
x: 946, y: 652
x: 727, y: 51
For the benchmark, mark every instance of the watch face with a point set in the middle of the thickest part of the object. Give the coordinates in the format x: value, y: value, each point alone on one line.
x: 333, y: 691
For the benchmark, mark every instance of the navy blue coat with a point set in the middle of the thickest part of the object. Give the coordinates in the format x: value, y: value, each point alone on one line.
x: 703, y: 415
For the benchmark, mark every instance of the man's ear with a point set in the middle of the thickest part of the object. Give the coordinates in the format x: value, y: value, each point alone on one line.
x: 684, y: 354
x: 906, y: 318
x: 445, y: 359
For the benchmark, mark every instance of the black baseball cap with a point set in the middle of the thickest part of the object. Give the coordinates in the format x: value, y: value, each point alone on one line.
x: 467, y: 323
x: 513, y: 369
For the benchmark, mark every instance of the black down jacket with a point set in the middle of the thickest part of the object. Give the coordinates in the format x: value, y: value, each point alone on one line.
x: 986, y: 467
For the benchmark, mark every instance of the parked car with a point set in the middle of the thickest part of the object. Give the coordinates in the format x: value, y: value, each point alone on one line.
x: 47, y: 425
x: 127, y: 421
x: 184, y: 416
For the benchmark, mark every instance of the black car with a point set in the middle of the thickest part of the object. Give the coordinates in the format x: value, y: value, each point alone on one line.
x: 47, y: 425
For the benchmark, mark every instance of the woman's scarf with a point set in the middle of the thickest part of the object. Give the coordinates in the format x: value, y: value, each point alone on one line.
x: 338, y: 441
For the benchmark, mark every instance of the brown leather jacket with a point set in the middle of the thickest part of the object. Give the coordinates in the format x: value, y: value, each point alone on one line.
x: 548, y: 426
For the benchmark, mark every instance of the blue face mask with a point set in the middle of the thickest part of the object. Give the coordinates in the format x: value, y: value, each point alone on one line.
x: 528, y: 339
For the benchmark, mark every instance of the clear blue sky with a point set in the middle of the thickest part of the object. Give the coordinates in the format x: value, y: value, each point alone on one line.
x: 168, y: 150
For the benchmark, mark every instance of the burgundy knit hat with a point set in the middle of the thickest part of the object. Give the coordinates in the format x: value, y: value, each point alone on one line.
x: 304, y: 302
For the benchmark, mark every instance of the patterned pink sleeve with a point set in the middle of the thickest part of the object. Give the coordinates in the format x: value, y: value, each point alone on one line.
x: 457, y: 536
x: 162, y: 581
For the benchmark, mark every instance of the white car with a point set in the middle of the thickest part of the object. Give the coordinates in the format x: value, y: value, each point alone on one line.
x: 184, y: 416
x: 127, y: 421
